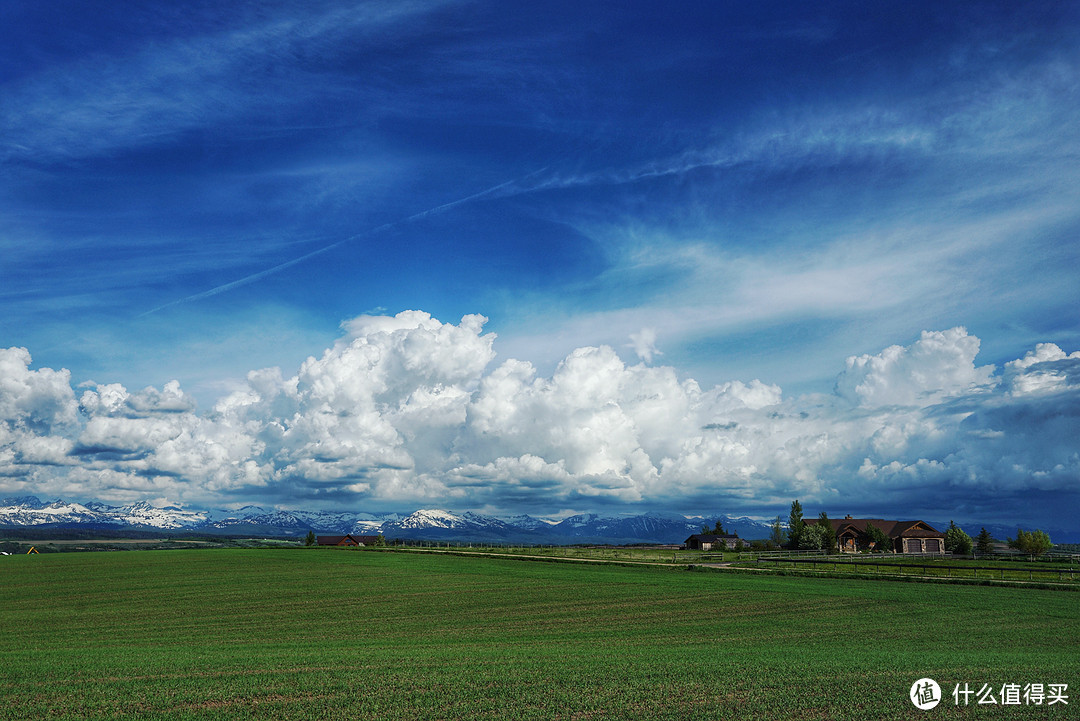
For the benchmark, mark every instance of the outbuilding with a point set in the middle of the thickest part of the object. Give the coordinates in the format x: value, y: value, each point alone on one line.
x: 711, y: 541
x: 347, y: 540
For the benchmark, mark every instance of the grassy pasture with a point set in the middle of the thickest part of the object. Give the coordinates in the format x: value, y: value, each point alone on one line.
x: 340, y: 634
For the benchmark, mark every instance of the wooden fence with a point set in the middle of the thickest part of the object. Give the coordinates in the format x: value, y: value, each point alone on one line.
x: 951, y: 570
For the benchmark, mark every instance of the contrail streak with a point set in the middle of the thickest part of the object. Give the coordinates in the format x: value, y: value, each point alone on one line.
x: 385, y: 226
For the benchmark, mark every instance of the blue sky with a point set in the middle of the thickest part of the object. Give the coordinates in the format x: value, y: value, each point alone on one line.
x: 719, y: 194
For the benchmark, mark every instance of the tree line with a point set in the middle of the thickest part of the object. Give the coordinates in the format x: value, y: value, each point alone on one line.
x: 821, y: 536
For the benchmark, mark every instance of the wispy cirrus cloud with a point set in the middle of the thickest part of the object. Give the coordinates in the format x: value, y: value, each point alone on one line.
x: 493, y: 191
x: 107, y: 102
x: 959, y: 195
x: 1017, y: 112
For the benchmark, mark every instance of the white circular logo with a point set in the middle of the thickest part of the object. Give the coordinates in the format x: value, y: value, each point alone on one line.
x: 925, y: 694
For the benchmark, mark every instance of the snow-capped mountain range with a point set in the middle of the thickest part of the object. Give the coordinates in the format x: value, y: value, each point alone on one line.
x: 424, y: 524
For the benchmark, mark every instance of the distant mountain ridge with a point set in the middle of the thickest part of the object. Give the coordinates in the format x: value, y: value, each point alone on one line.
x: 421, y: 525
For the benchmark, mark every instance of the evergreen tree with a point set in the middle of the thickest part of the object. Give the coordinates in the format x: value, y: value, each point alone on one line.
x: 717, y: 530
x: 795, y: 524
x: 309, y: 540
x: 984, y: 542
x: 956, y: 541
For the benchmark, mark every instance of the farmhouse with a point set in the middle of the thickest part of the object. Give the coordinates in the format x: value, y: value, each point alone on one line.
x: 906, y: 536
x: 347, y: 540
x: 709, y: 541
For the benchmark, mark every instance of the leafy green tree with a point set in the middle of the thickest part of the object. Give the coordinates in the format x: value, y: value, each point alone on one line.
x: 740, y: 546
x: 984, y: 542
x: 956, y: 541
x: 828, y: 534
x: 1039, y: 543
x: 880, y: 539
x: 795, y: 524
x: 1033, y: 543
x: 309, y: 540
x: 776, y: 535
x: 812, y: 537
x: 380, y: 540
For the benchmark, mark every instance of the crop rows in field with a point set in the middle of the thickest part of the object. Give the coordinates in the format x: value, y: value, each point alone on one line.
x: 885, y: 566
x: 345, y: 635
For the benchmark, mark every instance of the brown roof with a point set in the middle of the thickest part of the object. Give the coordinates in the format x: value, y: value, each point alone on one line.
x: 892, y: 529
x: 349, y: 539
x: 332, y: 540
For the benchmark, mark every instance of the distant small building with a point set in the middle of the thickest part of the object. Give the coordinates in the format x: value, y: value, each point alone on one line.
x: 711, y: 541
x: 906, y: 536
x: 347, y: 540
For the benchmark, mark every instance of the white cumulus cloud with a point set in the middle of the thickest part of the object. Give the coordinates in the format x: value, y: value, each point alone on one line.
x: 411, y: 410
x: 940, y: 363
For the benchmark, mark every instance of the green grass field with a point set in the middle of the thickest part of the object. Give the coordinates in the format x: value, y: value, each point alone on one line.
x: 337, y: 634
x: 1047, y: 569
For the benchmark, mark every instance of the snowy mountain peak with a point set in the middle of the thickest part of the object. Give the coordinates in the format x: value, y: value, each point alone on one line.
x: 143, y: 514
x: 528, y: 522
x: 431, y: 518
x: 22, y: 501
x: 580, y: 520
